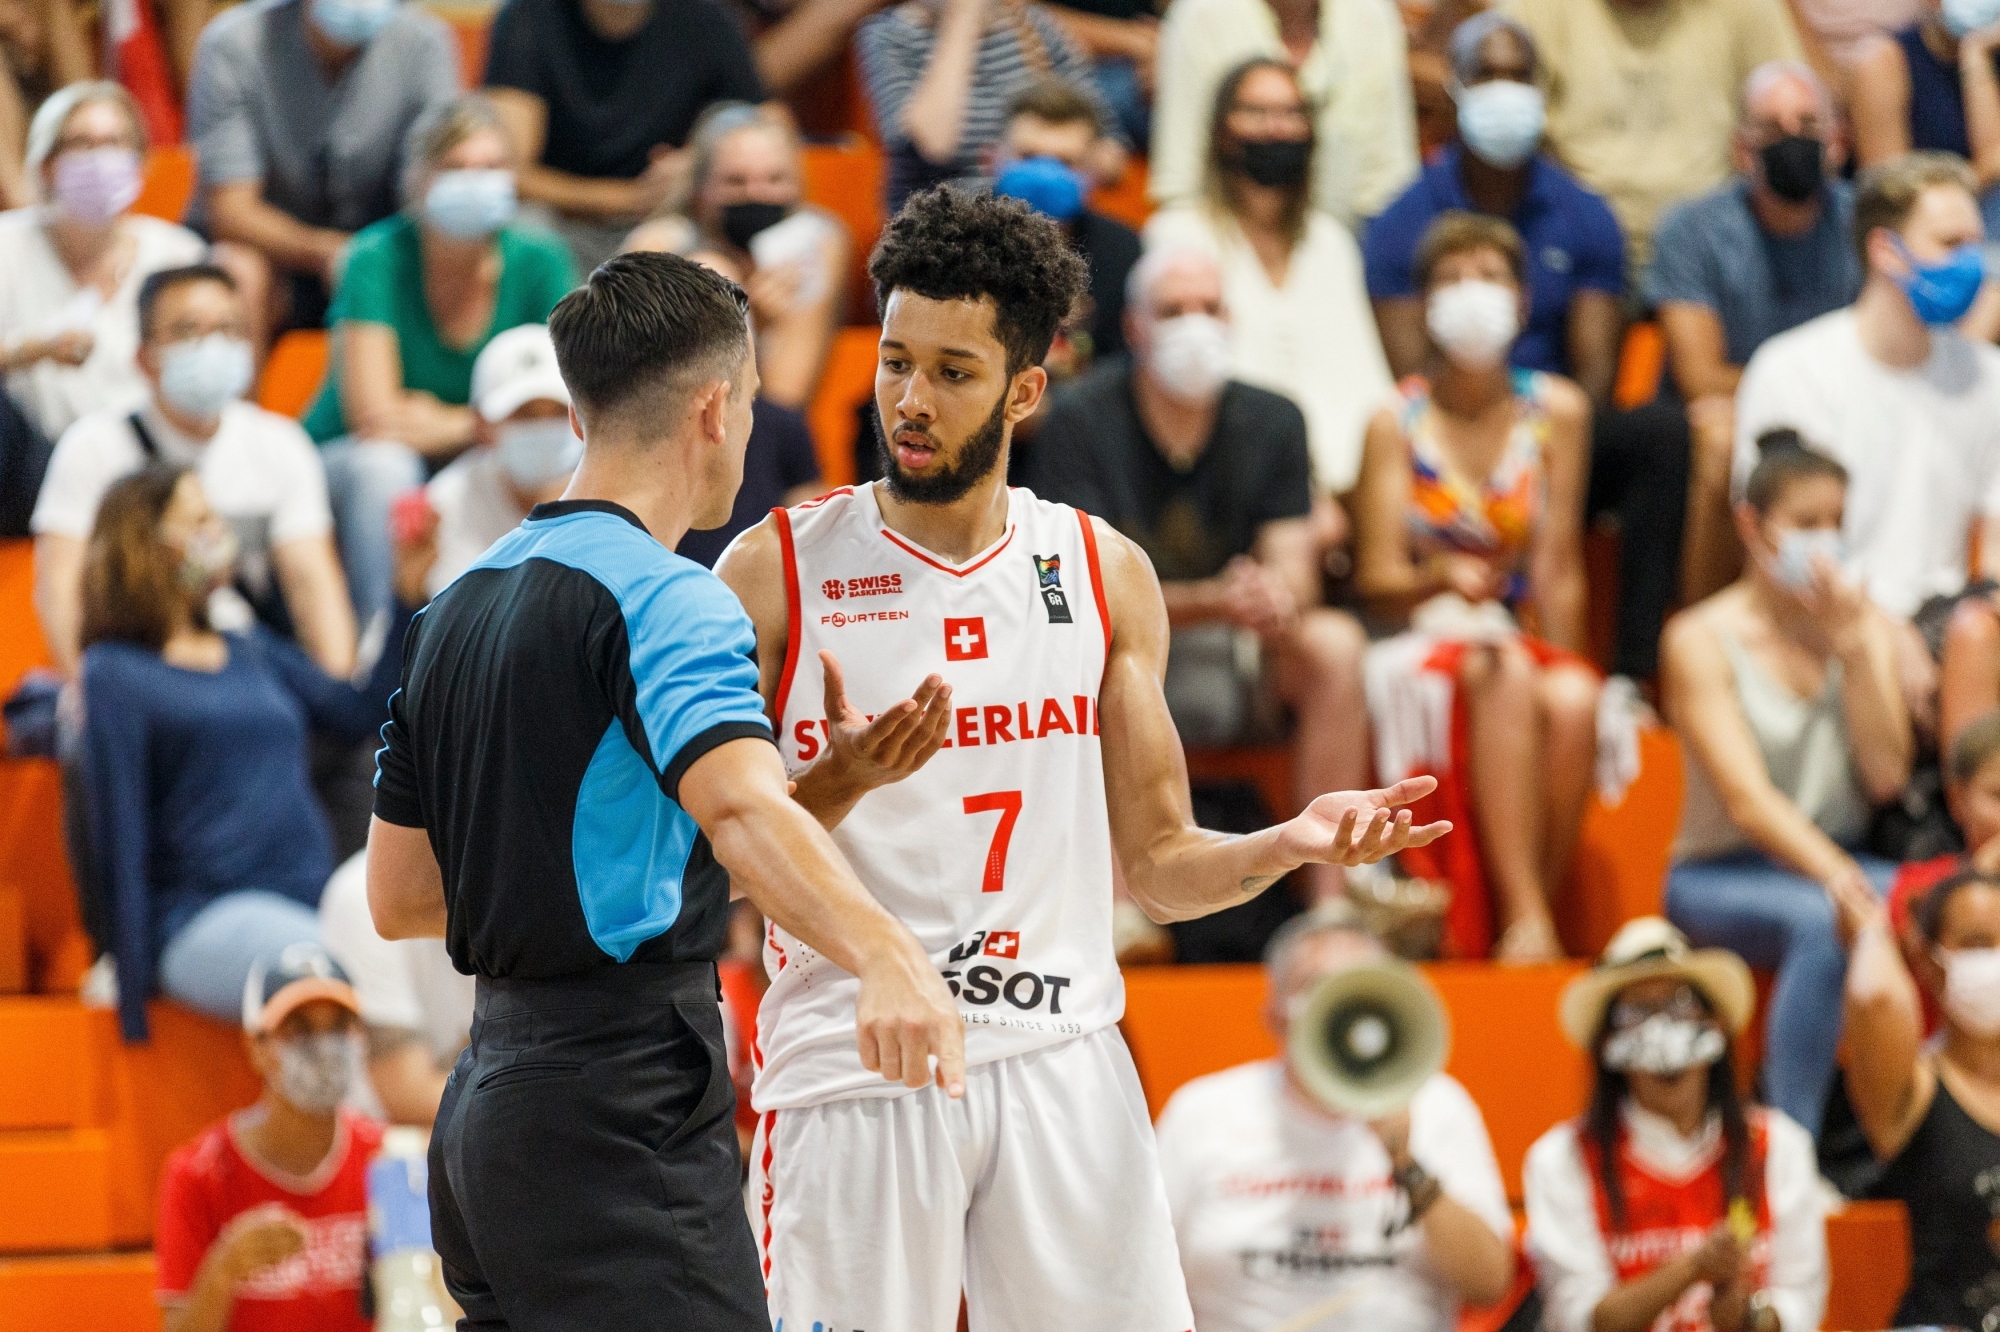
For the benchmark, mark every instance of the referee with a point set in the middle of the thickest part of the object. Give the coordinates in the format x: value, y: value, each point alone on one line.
x: 576, y: 768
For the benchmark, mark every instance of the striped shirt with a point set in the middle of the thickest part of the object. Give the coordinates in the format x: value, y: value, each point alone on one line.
x: 894, y: 47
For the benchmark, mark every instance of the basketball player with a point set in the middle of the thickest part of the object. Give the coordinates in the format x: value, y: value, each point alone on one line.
x: 1048, y: 759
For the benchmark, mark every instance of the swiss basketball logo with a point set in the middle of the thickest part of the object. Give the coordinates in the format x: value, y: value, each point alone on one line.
x: 965, y: 640
x: 833, y: 589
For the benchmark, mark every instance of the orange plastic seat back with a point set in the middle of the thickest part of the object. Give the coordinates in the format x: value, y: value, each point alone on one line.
x: 846, y: 180
x: 169, y: 182
x: 293, y: 372
x: 847, y: 382
x: 1640, y: 361
x: 472, y: 27
x: 1127, y: 199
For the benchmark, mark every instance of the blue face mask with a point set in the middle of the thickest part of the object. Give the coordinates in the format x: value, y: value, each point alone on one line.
x: 466, y: 205
x: 1045, y: 185
x: 352, y: 22
x: 201, y: 376
x: 1942, y: 292
x: 1501, y: 121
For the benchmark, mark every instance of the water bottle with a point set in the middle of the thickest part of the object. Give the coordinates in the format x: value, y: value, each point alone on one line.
x: 408, y: 1296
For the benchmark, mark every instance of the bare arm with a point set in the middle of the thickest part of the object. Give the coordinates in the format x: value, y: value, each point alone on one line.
x: 1135, y: 39
x: 1400, y: 319
x: 376, y: 404
x: 1463, y: 1249
x: 1289, y: 548
x: 13, y: 141
x: 1981, y: 86
x: 59, y: 597
x: 1888, y: 1080
x: 806, y: 38
x: 1592, y: 334
x: 1880, y: 103
x: 315, y: 592
x: 237, y: 212
x: 1386, y: 574
x: 1633, y: 1306
x: 1699, y: 697
x: 785, y: 863
x: 527, y: 120
x: 251, y: 1242
x: 934, y: 117
x: 1556, y: 563
x: 1880, y: 738
x: 1698, y: 351
x: 1174, y: 869
x: 405, y: 887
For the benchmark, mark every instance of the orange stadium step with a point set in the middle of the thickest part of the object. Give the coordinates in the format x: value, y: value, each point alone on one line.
x: 57, y: 1183
x: 108, y: 1292
x: 169, y: 182
x: 45, y: 1063
x: 1868, y: 1251
x: 845, y: 179
x: 13, y: 939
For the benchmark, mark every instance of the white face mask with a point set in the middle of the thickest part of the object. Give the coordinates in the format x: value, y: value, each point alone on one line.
x: 1972, y: 988
x: 1664, y: 1045
x: 535, y: 453
x: 203, y: 375
x: 314, y: 1072
x: 1474, y: 322
x: 1190, y: 357
x: 1799, y: 548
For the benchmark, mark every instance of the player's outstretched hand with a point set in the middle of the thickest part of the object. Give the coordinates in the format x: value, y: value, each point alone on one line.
x: 905, y: 1019
x: 893, y: 745
x: 1361, y: 827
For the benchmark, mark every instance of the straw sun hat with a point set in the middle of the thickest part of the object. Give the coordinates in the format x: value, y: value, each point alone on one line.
x: 1647, y: 948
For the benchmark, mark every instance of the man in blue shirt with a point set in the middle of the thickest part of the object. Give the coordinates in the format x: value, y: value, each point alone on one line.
x: 577, y: 768
x: 1759, y: 255
x: 1576, y: 255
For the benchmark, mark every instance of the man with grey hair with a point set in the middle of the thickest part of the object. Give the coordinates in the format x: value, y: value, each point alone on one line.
x: 1765, y: 252
x: 1282, y: 1206
x: 1211, y: 477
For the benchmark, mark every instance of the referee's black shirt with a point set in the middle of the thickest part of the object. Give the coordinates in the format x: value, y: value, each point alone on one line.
x: 552, y: 698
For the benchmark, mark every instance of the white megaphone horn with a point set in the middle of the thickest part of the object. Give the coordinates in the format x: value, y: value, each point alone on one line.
x: 1366, y: 1037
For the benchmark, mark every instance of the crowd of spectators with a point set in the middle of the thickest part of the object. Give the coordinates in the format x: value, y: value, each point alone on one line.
x: 1361, y: 386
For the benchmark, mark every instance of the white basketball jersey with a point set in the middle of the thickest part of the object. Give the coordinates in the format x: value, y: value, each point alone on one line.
x: 997, y: 854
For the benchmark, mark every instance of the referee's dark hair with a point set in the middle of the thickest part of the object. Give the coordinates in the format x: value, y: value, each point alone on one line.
x: 645, y: 330
x: 951, y: 244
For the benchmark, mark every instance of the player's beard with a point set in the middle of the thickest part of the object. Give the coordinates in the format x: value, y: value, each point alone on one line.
x: 941, y: 484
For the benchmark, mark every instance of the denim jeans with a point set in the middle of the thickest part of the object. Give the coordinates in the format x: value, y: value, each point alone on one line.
x: 208, y: 960
x: 1780, y: 921
x: 363, y: 478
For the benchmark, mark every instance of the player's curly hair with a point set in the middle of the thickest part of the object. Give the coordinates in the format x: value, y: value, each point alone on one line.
x: 950, y: 244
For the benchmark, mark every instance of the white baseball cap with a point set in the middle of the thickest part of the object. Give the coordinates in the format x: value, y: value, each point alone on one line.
x: 516, y: 368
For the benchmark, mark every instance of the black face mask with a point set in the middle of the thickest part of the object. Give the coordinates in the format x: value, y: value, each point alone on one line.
x: 1794, y: 167
x: 741, y: 221
x: 1275, y: 163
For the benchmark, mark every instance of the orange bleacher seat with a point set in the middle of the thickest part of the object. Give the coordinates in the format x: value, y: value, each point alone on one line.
x: 107, y: 1292
x: 169, y: 183
x: 472, y: 26
x: 293, y: 372
x: 845, y: 179
x: 1641, y: 359
x: 846, y: 383
x: 1868, y: 1252
x: 1126, y: 199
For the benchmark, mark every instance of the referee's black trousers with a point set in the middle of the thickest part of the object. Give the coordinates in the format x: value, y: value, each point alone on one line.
x: 584, y: 1171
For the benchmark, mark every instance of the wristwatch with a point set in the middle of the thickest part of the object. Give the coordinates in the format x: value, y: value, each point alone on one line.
x: 1420, y: 1186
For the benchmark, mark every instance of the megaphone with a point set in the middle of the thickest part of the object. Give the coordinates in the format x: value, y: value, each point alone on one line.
x: 1368, y: 1036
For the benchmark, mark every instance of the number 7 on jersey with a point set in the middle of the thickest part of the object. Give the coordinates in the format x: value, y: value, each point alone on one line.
x: 1008, y: 803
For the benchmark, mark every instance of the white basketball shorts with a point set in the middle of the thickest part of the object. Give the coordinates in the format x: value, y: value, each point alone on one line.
x: 1038, y: 1194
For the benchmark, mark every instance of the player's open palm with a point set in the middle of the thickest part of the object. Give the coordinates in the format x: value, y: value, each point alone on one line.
x: 889, y: 747
x: 1361, y: 827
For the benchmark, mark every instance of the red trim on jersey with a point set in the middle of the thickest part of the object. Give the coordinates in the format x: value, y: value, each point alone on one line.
x: 837, y: 490
x: 1096, y: 579
x: 989, y: 557
x: 792, y: 613
x: 770, y: 1127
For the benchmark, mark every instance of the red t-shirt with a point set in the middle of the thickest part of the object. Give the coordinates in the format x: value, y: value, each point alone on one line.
x: 212, y: 1180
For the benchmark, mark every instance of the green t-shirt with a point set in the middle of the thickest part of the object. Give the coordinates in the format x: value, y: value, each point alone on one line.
x: 383, y: 284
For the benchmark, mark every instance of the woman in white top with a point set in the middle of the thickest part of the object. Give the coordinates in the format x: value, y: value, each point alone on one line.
x: 1783, y: 690
x: 70, y: 267
x: 1670, y: 1204
x: 1292, y: 275
x: 747, y: 202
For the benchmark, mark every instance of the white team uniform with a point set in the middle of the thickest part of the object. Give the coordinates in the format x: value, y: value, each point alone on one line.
x: 1039, y: 1193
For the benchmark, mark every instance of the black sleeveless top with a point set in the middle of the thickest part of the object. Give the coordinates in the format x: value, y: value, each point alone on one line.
x: 1949, y: 1177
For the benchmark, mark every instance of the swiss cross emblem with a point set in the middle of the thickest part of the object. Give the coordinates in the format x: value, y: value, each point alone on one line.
x: 1003, y: 943
x: 965, y: 640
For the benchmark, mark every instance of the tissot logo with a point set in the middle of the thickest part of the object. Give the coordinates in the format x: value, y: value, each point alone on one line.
x: 874, y: 585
